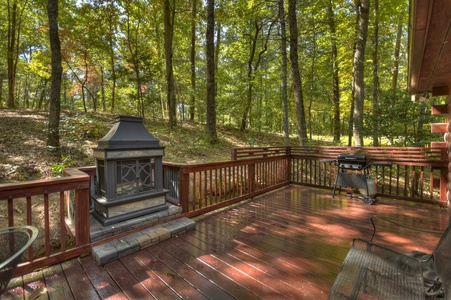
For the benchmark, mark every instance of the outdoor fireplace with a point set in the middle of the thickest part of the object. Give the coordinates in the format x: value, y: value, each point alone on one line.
x: 129, y: 179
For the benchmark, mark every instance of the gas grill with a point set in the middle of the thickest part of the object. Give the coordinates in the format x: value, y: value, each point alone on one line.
x: 353, y: 172
x: 352, y: 161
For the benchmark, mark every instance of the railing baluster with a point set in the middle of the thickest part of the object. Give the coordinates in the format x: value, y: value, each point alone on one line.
x: 62, y: 222
x: 46, y: 225
x: 30, y: 252
x: 10, y: 213
x: 431, y: 186
x: 205, y: 186
x: 420, y: 181
x: 194, y: 199
x: 29, y: 214
x: 414, y: 184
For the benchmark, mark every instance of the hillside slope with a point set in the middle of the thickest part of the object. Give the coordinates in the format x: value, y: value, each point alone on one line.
x: 23, y: 153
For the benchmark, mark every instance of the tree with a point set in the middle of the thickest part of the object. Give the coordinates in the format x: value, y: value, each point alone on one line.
x: 55, y: 95
x: 363, y: 8
x: 283, y: 53
x: 15, y: 14
x: 335, y: 70
x: 109, y: 13
x: 133, y: 29
x: 395, y: 71
x: 296, y: 74
x: 192, y: 108
x: 254, y: 63
x: 169, y: 16
x: 12, y: 23
x: 375, y: 69
x: 210, y: 53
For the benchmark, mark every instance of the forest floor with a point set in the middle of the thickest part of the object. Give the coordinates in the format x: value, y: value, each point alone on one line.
x: 24, y: 155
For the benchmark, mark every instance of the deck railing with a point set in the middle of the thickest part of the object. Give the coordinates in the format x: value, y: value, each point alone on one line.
x: 43, y: 204
x: 60, y: 208
x: 202, y: 188
x: 413, y: 173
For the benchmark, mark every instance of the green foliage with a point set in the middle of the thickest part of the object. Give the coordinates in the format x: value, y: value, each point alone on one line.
x: 66, y: 162
x: 81, y: 127
x: 401, y: 121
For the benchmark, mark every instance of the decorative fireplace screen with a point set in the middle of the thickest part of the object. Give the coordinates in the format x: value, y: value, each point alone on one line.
x: 134, y: 176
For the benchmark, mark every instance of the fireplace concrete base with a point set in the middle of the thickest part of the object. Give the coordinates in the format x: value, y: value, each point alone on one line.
x: 110, y: 212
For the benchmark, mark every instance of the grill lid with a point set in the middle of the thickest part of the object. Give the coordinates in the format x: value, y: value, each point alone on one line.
x: 354, y: 161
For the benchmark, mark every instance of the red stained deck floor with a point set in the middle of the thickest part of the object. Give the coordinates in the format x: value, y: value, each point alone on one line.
x: 288, y: 244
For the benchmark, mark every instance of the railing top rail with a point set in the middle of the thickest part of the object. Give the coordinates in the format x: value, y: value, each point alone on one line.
x: 333, y: 151
x: 73, y: 178
x: 231, y: 163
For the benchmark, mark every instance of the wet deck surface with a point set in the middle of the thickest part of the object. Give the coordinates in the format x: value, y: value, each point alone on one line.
x: 288, y: 244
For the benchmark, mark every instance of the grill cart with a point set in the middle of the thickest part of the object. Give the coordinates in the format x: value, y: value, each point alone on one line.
x: 353, y: 171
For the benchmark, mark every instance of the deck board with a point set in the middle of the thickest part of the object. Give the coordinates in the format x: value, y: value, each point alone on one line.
x: 56, y: 282
x: 260, y: 270
x: 80, y: 285
x: 101, y: 280
x: 127, y: 282
x: 189, y: 256
x: 288, y: 244
x: 198, y: 281
x: 176, y: 283
x: 139, y: 266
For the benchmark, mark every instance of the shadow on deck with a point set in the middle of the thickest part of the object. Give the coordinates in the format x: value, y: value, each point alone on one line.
x: 286, y: 244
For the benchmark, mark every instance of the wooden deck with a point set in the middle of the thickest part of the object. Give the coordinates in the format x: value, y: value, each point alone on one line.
x: 287, y: 244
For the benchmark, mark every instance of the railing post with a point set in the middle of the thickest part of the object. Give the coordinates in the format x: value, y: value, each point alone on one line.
x: 288, y: 150
x: 82, y: 223
x: 184, y: 190
x: 233, y: 154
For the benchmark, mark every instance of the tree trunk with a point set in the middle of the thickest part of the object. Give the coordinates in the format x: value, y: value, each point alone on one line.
x: 312, y: 81
x: 102, y: 88
x: 83, y: 82
x: 395, y: 71
x: 168, y: 38
x: 12, y: 22
x: 55, y: 97
x: 253, y: 67
x: 1, y: 89
x: 211, y: 105
x: 42, y: 94
x: 250, y: 77
x: 136, y: 64
x: 376, y: 71
x: 296, y: 74
x: 192, y: 107
x: 26, y: 96
x: 335, y: 76
x: 112, y: 56
x: 13, y: 47
x: 217, y: 51
x: 283, y: 53
x: 358, y: 75
x: 351, y: 111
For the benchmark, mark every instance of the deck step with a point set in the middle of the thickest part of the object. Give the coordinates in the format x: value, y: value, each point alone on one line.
x: 100, y: 232
x: 135, y: 242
